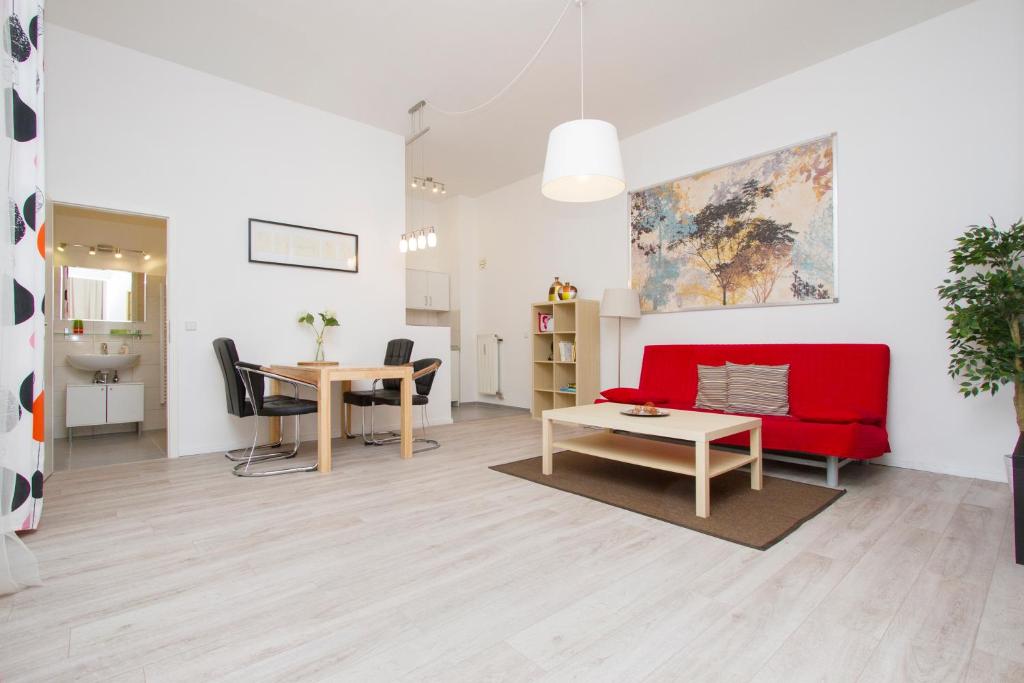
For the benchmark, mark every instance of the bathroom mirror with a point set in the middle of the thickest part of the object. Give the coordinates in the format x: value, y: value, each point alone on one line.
x: 116, y: 296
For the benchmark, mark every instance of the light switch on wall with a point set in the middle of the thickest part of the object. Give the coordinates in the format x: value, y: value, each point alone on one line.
x: 191, y: 326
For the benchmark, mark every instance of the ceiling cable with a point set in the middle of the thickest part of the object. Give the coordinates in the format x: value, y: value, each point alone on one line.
x: 581, y: 58
x: 522, y: 71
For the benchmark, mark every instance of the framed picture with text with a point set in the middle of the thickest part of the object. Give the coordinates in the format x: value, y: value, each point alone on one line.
x: 285, y: 244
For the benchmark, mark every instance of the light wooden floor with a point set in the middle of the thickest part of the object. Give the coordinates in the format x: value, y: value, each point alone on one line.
x: 440, y: 569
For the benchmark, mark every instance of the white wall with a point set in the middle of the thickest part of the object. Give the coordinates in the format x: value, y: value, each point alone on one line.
x: 930, y: 140
x: 135, y: 133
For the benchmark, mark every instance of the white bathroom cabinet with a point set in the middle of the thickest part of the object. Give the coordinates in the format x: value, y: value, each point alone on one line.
x: 89, y: 405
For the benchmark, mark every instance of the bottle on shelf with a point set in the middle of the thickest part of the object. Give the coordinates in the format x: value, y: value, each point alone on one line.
x: 554, y: 291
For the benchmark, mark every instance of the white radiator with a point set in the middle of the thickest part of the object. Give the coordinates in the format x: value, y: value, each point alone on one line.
x: 488, y: 364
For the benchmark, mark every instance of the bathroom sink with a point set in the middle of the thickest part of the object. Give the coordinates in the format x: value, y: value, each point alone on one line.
x: 103, y: 362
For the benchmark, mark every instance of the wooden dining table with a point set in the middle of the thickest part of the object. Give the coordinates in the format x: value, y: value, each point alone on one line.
x: 322, y: 377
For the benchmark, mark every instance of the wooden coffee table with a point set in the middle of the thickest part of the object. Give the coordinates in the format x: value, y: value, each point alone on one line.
x: 698, y: 461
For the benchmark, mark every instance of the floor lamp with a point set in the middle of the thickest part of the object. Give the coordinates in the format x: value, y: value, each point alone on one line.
x: 620, y: 303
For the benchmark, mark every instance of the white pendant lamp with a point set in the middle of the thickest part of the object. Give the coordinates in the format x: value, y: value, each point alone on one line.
x: 583, y: 162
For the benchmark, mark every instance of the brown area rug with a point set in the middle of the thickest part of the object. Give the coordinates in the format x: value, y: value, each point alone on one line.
x: 757, y: 519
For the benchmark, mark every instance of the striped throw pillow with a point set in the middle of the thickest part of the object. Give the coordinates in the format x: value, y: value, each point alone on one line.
x: 712, y: 387
x: 758, y: 389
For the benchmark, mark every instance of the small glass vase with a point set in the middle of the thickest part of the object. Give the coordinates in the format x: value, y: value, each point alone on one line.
x: 319, y: 350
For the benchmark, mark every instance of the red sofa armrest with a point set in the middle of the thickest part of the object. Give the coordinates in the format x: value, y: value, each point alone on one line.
x: 632, y: 396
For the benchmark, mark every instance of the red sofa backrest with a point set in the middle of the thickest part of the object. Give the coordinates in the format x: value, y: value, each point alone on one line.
x: 824, y: 379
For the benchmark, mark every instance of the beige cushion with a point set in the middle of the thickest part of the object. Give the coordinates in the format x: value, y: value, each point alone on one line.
x: 758, y: 389
x: 712, y: 383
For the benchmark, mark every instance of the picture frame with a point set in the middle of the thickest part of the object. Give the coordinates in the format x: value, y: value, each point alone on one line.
x: 757, y: 232
x: 286, y: 244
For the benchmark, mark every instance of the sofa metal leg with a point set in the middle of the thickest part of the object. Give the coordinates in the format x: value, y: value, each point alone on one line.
x: 832, y: 472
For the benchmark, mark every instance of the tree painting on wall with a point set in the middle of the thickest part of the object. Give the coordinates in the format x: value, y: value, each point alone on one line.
x: 753, y: 233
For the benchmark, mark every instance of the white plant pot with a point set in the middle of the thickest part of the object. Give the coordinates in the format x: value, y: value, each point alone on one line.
x: 1009, y: 471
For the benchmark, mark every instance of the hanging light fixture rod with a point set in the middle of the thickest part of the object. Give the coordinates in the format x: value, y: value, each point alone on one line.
x: 417, y: 132
x: 413, y: 138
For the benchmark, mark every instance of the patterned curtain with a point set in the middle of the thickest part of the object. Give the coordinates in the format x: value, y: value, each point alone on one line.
x: 22, y: 289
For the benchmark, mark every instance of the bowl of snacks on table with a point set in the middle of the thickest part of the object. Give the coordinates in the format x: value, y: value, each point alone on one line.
x: 646, y: 410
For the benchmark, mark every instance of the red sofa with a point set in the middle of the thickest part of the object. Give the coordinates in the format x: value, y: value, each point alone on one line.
x: 837, y: 394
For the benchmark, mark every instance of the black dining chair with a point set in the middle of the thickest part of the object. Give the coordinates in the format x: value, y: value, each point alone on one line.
x: 423, y: 373
x: 397, y: 352
x: 253, y: 378
x: 237, y: 403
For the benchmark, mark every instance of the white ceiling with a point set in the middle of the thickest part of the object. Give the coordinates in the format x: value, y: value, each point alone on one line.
x: 647, y: 61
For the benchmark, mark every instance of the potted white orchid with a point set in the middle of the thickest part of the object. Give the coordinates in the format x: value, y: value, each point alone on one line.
x: 327, y: 319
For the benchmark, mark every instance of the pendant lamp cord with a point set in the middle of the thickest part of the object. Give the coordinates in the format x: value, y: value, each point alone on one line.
x: 522, y: 71
x: 581, y: 58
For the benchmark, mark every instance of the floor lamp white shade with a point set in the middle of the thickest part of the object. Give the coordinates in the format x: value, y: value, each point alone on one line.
x: 583, y: 162
x: 620, y: 303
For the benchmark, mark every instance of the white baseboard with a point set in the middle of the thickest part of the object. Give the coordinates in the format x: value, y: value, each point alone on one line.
x: 390, y: 427
x: 970, y: 469
x: 307, y: 435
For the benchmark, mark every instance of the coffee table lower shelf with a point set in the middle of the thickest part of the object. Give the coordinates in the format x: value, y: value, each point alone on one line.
x: 672, y: 457
x: 622, y: 439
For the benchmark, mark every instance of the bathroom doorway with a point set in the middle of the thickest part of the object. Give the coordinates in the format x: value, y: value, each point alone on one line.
x: 106, y: 342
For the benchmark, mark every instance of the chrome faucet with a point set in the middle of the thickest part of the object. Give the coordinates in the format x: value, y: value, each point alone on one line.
x: 103, y: 348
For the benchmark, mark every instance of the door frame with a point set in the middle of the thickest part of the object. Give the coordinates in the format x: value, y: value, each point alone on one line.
x: 172, y: 362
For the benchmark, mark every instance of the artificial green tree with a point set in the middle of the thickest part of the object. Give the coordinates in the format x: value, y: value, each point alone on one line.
x: 984, y: 303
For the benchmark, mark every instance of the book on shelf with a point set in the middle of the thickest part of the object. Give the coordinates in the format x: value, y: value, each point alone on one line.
x: 566, y: 351
x: 545, y: 322
x: 569, y: 388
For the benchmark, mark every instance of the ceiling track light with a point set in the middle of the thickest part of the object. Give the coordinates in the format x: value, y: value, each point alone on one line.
x: 423, y: 238
x: 428, y: 183
x: 93, y: 249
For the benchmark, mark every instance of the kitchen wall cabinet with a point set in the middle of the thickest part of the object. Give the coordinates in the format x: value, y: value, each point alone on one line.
x: 427, y: 291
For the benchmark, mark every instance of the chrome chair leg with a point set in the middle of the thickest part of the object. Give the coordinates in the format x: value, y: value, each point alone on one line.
x: 240, y: 454
x: 396, y: 437
x: 242, y: 468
